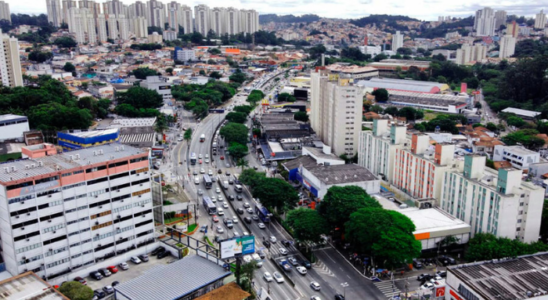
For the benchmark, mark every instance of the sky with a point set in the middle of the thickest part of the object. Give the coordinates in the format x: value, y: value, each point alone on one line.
x: 428, y: 10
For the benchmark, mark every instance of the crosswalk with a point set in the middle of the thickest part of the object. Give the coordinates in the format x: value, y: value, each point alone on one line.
x: 320, y: 267
x: 387, y: 288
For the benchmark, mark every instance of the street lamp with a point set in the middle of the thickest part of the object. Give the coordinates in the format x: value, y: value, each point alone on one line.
x: 344, y: 285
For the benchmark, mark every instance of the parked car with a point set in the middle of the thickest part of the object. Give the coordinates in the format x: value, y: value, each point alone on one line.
x: 424, y: 276
x: 158, y: 250
x: 427, y: 286
x: 112, y: 269
x: 135, y: 260
x: 81, y: 280
x: 95, y: 275
x: 446, y: 260
x: 163, y: 254
x: 108, y: 289
x: 417, y: 264
x: 115, y: 283
x: 123, y: 266
x: 442, y: 274
x: 100, y: 294
x: 143, y: 257
x: 105, y: 272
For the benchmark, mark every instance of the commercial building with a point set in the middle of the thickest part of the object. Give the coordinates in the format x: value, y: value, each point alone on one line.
x: 155, y: 38
x: 5, y: 11
x: 184, y: 55
x: 353, y: 71
x: 54, y: 12
x: 507, y: 46
x: 13, y: 127
x: 484, y: 23
x: 522, y: 113
x: 29, y: 286
x: 518, y: 156
x: 371, y: 50
x: 403, y: 85
x: 390, y: 66
x: 10, y: 66
x: 436, y: 102
x: 86, y: 139
x: 397, y: 41
x: 493, y: 202
x: 516, y: 278
x: 188, y: 279
x: 69, y: 212
x: 160, y: 85
x: 467, y: 54
x: 540, y: 20
x: 336, y: 110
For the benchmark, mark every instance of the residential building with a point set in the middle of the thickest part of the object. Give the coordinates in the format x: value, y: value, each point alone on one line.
x: 10, y: 65
x: 29, y: 286
x: 14, y: 127
x: 232, y: 21
x: 123, y: 27
x: 112, y: 27
x: 249, y: 21
x: 82, y: 25
x: 5, y: 11
x: 500, y: 18
x: 512, y: 29
x: 520, y: 157
x: 202, y: 19
x: 493, y: 202
x: 507, y: 46
x: 484, y: 23
x: 140, y: 27
x: 218, y: 20
x: 353, y: 71
x: 336, y: 105
x: 397, y: 41
x: 155, y: 38
x: 156, y: 13
x: 114, y: 7
x: 377, y: 148
x: 67, y: 4
x: 517, y: 278
x: 159, y: 85
x: 174, y: 15
x: 184, y: 55
x: 467, y: 54
x: 371, y: 50
x: 540, y: 20
x: 186, y: 19
x: 102, y: 36
x: 67, y: 213
x: 54, y: 12
x: 169, y: 35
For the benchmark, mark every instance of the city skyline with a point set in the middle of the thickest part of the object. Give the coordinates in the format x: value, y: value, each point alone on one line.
x: 338, y: 9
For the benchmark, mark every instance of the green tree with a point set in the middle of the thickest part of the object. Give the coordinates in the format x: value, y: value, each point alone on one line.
x: 202, y: 72
x: 381, y: 95
x: 376, y: 109
x: 251, y: 177
x: 242, y: 163
x: 238, y: 76
x: 391, y: 110
x: 214, y: 51
x: 410, y: 113
x: 76, y: 291
x: 484, y: 246
x: 491, y: 126
x: 169, y: 71
x: 215, y: 75
x: 68, y: 67
x: 301, y: 116
x: 39, y: 56
x: 143, y: 73
x: 255, y: 96
x: 65, y: 42
x: 246, y: 109
x: 515, y: 121
x: 236, y: 117
x: 307, y: 224
x: 139, y: 97
x: 276, y: 193
x: 234, y: 132
x: 285, y: 97
x: 188, y: 135
x: 339, y: 202
x: 237, y: 151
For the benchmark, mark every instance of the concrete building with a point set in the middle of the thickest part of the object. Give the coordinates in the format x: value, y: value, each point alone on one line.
x: 218, y: 20
x: 155, y: 38
x: 467, y: 54
x: 522, y: 113
x: 67, y: 213
x: 67, y: 4
x: 540, y: 20
x: 29, y: 286
x: 403, y: 85
x: 184, y: 54
x: 507, y: 46
x: 500, y: 18
x: 249, y: 21
x: 336, y: 110
x: 112, y: 27
x: 123, y: 27
x: 10, y: 65
x: 518, y: 156
x: 5, y: 11
x: 397, y: 41
x: 353, y: 71
x: 493, y: 202
x: 371, y: 50
x: 232, y: 21
x: 484, y: 23
x: 169, y: 35
x: 14, y: 128
x: 159, y: 85
x: 377, y: 148
x: 186, y: 19
x: 516, y: 278
x: 512, y: 29
x: 174, y: 15
x: 202, y: 19
x: 102, y: 35
x: 445, y: 103
x: 114, y: 7
x: 156, y: 13
x: 140, y: 27
x: 54, y: 12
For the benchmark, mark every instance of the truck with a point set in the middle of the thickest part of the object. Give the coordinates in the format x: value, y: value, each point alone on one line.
x: 202, y: 138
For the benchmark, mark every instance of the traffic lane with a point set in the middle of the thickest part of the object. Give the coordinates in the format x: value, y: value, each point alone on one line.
x: 359, y: 287
x: 282, y: 291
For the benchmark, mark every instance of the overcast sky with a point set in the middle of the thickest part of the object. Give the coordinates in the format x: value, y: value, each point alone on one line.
x: 420, y: 9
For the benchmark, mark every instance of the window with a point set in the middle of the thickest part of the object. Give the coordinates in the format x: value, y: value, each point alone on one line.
x: 138, y: 159
x: 57, y: 239
x: 20, y: 199
x: 73, y: 186
x: 95, y: 169
x: 78, y: 172
x: 20, y: 185
x: 118, y: 164
x: 48, y: 179
x: 28, y: 248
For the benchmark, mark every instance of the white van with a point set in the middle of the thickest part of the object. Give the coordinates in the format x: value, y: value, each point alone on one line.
x: 258, y: 259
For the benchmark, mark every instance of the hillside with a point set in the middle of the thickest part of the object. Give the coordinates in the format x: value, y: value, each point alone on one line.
x: 287, y: 18
x: 388, y: 20
x: 444, y: 28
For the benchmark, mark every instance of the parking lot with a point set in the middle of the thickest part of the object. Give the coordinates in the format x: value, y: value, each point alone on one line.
x: 134, y: 271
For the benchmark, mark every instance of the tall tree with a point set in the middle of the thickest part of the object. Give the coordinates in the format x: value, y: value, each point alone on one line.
x: 237, y: 151
x: 307, y: 224
x: 139, y: 97
x: 234, y: 132
x: 276, y: 193
x: 381, y: 95
x: 76, y: 291
x: 251, y: 177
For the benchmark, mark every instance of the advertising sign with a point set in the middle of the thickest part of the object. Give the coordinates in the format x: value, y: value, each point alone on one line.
x: 240, y: 245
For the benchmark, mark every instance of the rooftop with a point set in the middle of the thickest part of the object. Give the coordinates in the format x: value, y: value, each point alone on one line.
x: 11, y: 117
x: 521, y: 112
x: 506, y: 279
x: 519, y: 150
x: 94, y: 133
x: 427, y: 99
x: 349, y: 68
x: 134, y: 122
x: 332, y: 174
x: 230, y: 291
x: 173, y: 281
x: 28, y: 286
x: 402, y: 85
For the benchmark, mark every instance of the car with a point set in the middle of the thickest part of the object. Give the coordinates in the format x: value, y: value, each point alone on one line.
x: 194, y: 172
x: 215, y: 218
x: 246, y: 205
x: 286, y: 243
x: 227, y: 171
x: 284, y: 251
x: 417, y: 264
x: 236, y: 234
x: 240, y: 210
x: 200, y: 155
x: 435, y: 278
x: 203, y: 228
x: 163, y: 254
x: 100, y: 294
x: 301, y: 270
x: 112, y: 269
x: 306, y: 264
x: 266, y: 244
x: 115, y: 283
x: 123, y: 266
x: 228, y: 222
x: 261, y: 225
x: 210, y: 173
x: 200, y: 161
x: 104, y: 272
x: 95, y: 275
x: 267, y: 276
x: 81, y: 280
x: 200, y: 192
x: 249, y: 210
x: 341, y: 297
x: 219, y: 171
x: 315, y: 286
x: 239, y: 197
x: 425, y: 277
x: 108, y: 289
x: 315, y: 298
x: 293, y: 261
x: 157, y: 250
x: 222, y: 158
x: 213, y: 199
x: 202, y: 171
x: 442, y: 274
x: 247, y: 220
x: 278, y: 277
x: 273, y: 239
x: 285, y: 265
x: 220, y: 212
x: 206, y: 160
x: 218, y: 190
x: 245, y: 233
x: 143, y: 257
x: 446, y: 260
x: 235, y: 220
x: 231, y: 197
x: 231, y: 181
x: 220, y: 229
x: 427, y: 286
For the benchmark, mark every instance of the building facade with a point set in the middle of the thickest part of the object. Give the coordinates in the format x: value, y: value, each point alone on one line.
x: 520, y: 157
x: 202, y: 19
x: 500, y: 18
x: 507, y: 46
x: 5, y: 13
x: 10, y: 65
x: 484, y: 23
x: 467, y: 54
x: 184, y: 55
x: 512, y: 29
x: 397, y: 41
x: 54, y: 12
x: 540, y: 20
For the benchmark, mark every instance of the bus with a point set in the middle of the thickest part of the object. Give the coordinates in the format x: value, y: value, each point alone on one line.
x: 207, y: 181
x: 192, y: 158
x: 209, y: 205
x: 263, y: 213
x: 202, y: 138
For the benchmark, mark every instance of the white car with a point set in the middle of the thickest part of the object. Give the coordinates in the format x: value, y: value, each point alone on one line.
x: 202, y: 171
x: 225, y: 205
x: 220, y: 229
x: 220, y: 212
x: 437, y: 278
x: 427, y: 286
x: 284, y: 251
x: 200, y: 192
x: 267, y: 276
x: 206, y: 160
x: 315, y: 298
x: 207, y: 156
x: 261, y: 225
x: 315, y: 286
x: 210, y: 173
x: 245, y: 233
x: 200, y: 156
x: 278, y: 277
x: 220, y: 198
x: 273, y: 239
x: 218, y: 190
x: 236, y: 234
x: 135, y: 260
x: 301, y: 270
x: 235, y: 220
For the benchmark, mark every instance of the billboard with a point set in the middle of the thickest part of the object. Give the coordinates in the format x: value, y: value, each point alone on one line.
x: 240, y: 245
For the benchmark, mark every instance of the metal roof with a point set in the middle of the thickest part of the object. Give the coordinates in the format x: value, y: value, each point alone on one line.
x: 521, y: 112
x: 93, y: 133
x: 173, y: 281
x: 401, y: 84
x: 9, y: 117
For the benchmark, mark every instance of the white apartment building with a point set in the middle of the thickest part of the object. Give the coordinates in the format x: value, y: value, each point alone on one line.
x: 169, y: 35
x: 140, y: 27
x: 336, y: 110
x: 249, y: 21
x: 174, y: 15
x: 467, y: 54
x: 10, y: 65
x: 484, y: 23
x: 63, y: 214
x: 218, y: 20
x: 397, y: 41
x: 114, y: 7
x: 112, y: 27
x: 202, y: 19
x: 54, y: 12
x: 540, y: 20
x: 5, y: 11
x: 67, y: 4
x: 184, y: 55
x: 377, y: 148
x: 156, y: 13
x: 123, y: 27
x: 102, y: 29
x: 491, y: 201
x: 186, y: 19
x: 500, y: 18
x: 13, y: 127
x: 371, y: 50
x: 232, y: 20
x: 82, y: 25
x: 518, y: 156
x: 507, y: 46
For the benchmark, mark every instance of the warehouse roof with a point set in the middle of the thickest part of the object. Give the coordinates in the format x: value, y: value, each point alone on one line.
x: 332, y: 174
x: 521, y: 112
x: 28, y: 286
x: 173, y: 281
x: 402, y: 85
x: 426, y: 99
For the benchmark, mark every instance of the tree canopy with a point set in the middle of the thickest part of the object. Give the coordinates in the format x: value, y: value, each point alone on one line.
x: 39, y: 56
x: 236, y: 117
x: 286, y: 97
x: 74, y: 290
x: 276, y: 193
x: 143, y: 73
x: 237, y: 151
x: 484, y: 246
x: 234, y: 132
x: 381, y: 95
x: 255, y: 96
x: 139, y: 97
x: 307, y: 224
x: 238, y: 76
x: 251, y: 177
x: 301, y: 116
x: 65, y: 42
